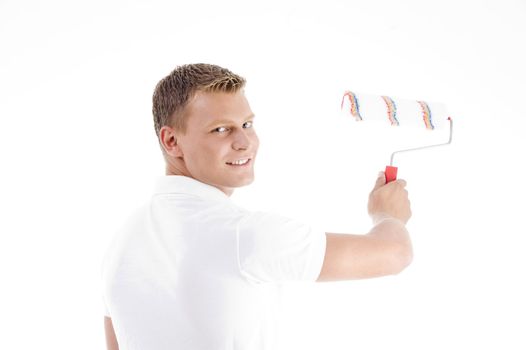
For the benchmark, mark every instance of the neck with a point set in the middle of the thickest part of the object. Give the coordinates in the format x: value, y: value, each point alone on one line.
x: 179, y: 169
x: 175, y: 168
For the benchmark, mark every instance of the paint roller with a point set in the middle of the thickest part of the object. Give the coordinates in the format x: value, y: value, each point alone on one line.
x: 398, y: 112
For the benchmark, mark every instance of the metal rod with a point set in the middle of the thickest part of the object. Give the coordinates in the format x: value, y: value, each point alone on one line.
x: 430, y: 146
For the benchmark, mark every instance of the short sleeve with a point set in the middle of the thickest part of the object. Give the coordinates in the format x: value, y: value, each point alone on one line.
x: 273, y: 248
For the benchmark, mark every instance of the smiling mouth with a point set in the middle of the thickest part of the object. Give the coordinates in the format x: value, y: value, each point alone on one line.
x: 239, y: 162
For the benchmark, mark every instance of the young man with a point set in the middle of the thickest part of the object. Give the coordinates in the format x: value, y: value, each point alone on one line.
x: 191, y: 270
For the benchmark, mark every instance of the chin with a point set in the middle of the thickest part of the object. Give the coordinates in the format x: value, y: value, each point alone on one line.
x: 242, y: 182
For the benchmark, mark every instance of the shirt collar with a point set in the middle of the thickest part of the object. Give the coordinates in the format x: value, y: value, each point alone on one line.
x: 187, y: 185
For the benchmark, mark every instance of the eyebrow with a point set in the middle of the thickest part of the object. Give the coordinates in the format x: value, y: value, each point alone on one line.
x: 227, y: 121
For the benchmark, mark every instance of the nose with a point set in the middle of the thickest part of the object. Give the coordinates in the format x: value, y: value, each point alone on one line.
x: 242, y: 141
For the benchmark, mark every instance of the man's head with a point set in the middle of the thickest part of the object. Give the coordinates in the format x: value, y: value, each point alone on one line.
x: 204, y: 125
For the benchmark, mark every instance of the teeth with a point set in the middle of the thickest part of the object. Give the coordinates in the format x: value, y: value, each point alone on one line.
x: 239, y: 162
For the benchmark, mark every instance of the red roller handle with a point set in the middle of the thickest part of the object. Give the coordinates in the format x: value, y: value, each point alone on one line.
x: 390, y: 173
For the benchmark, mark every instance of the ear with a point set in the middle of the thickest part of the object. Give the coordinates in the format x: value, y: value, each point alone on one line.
x: 169, y: 142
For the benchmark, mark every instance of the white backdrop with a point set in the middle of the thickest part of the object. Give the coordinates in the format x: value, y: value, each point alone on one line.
x: 78, y: 152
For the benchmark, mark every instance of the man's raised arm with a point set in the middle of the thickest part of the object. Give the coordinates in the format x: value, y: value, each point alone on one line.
x: 385, y: 250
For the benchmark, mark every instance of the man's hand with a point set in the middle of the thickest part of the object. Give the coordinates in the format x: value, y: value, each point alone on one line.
x: 389, y: 200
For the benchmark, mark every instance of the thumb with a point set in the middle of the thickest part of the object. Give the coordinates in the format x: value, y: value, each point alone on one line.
x: 380, y: 180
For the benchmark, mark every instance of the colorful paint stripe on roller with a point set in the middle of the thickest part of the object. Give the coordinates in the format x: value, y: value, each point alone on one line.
x: 391, y: 110
x: 355, y: 107
x: 426, y: 115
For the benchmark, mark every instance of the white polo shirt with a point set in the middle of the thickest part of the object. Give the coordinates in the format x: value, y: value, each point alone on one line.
x: 191, y: 270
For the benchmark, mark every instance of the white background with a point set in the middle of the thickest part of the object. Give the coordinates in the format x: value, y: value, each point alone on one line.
x: 78, y: 152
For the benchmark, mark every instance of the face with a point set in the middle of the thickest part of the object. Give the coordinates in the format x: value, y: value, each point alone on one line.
x: 220, y: 144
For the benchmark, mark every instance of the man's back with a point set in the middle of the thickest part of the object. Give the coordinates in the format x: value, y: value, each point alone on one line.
x: 182, y: 273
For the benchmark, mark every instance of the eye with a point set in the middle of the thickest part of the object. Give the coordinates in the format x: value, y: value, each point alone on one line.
x: 220, y: 129
x: 248, y: 124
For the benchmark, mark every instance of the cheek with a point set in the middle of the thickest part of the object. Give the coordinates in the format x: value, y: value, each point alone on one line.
x: 255, y: 141
x: 195, y: 154
x: 210, y: 152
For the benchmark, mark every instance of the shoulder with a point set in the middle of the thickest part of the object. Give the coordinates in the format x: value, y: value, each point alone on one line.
x: 273, y: 232
x: 273, y: 247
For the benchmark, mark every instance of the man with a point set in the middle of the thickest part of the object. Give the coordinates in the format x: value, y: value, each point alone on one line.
x: 191, y: 270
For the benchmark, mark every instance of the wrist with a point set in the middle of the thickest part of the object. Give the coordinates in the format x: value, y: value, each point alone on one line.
x: 389, y: 227
x: 380, y: 217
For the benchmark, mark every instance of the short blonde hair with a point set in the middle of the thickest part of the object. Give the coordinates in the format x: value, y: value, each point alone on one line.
x: 172, y: 93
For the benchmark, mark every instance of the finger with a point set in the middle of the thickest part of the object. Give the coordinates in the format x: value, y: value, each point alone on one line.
x: 380, y: 180
x: 402, y: 183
